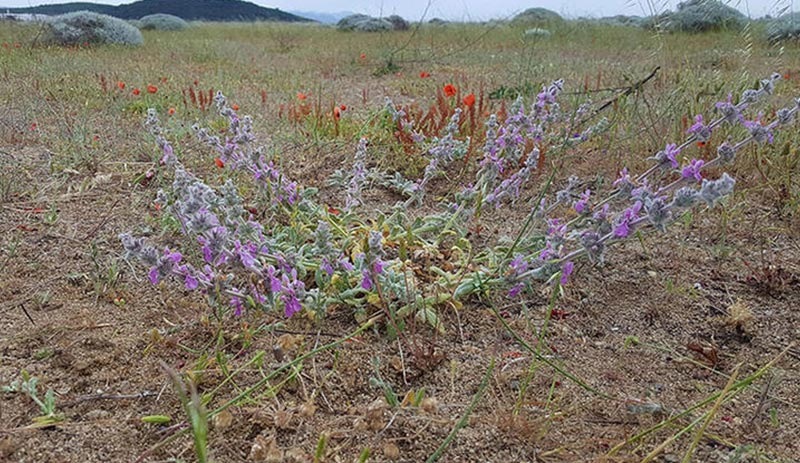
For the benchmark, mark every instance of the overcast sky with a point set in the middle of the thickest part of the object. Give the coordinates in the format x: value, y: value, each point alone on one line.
x: 474, y: 9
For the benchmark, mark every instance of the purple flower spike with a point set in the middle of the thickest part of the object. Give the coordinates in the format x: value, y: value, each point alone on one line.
x: 693, y: 170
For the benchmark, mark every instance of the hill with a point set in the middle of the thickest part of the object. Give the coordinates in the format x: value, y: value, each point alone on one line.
x: 208, y: 10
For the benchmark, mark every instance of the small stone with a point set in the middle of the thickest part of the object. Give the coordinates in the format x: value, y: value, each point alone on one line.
x: 429, y: 405
x: 391, y: 451
x: 222, y: 420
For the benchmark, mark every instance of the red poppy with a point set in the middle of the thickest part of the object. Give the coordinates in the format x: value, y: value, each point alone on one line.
x: 121, y: 85
x: 343, y: 107
x: 152, y: 89
x: 362, y: 56
x: 136, y: 91
x: 34, y: 126
x: 701, y: 144
x: 171, y: 111
x: 424, y: 75
x: 469, y: 100
x: 337, y: 113
x: 333, y: 210
x: 219, y: 163
x: 450, y: 90
x: 235, y: 107
x: 301, y: 96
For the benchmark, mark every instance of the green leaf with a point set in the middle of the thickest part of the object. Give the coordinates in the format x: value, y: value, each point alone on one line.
x: 156, y: 419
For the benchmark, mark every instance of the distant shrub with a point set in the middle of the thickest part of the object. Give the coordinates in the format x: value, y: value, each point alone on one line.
x: 398, y: 23
x: 364, y: 23
x: 348, y: 23
x: 786, y: 27
x: 706, y: 15
x: 622, y: 20
x: 162, y: 22
x: 537, y: 15
x: 86, y: 27
x: 537, y: 32
x: 437, y: 22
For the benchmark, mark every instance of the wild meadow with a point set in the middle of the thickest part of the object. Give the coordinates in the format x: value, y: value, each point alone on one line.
x: 263, y: 242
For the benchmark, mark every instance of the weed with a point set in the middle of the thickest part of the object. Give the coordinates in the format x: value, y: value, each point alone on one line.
x: 47, y: 405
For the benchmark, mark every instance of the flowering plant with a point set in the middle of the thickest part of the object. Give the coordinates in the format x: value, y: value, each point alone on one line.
x: 291, y: 253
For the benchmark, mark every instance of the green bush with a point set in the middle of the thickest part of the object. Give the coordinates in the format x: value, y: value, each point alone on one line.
x: 537, y: 15
x: 162, y: 22
x: 705, y: 15
x: 86, y: 27
x: 364, y: 23
x: 786, y: 27
x: 398, y: 23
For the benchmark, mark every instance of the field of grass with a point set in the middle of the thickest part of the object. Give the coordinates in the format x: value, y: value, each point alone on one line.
x: 680, y: 347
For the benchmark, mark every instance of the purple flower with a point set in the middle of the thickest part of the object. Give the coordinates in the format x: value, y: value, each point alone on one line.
x: 624, y: 182
x: 730, y: 113
x: 518, y: 264
x: 190, y: 282
x: 237, y: 305
x: 566, y: 271
x: 366, y: 280
x: 582, y: 204
x: 700, y: 131
x: 622, y: 228
x: 153, y: 275
x: 246, y: 254
x: 346, y: 264
x: 515, y: 290
x: 291, y: 305
x: 377, y: 267
x: 693, y: 170
x: 669, y: 154
x: 602, y: 214
x: 275, y: 285
x: 326, y: 266
x: 758, y: 131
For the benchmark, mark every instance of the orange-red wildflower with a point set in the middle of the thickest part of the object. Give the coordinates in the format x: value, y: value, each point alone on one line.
x: 362, y: 56
x: 301, y: 96
x: 337, y: 113
x: 424, y: 75
x: 219, y: 162
x: 171, y: 111
x: 136, y: 91
x: 235, y: 107
x: 152, y: 89
x: 469, y: 100
x: 121, y: 85
x: 450, y: 90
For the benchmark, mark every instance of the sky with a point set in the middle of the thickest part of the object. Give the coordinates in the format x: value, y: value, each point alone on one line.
x: 473, y: 10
